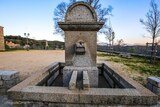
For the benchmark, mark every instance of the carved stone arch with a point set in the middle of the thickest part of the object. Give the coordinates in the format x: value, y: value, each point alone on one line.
x: 81, y: 12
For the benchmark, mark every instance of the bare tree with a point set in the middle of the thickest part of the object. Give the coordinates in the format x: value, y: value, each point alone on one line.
x: 110, y: 35
x: 152, y: 25
x: 59, y: 14
x: 120, y: 43
x: 60, y: 11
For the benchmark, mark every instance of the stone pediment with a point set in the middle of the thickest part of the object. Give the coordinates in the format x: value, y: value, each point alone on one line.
x: 80, y: 12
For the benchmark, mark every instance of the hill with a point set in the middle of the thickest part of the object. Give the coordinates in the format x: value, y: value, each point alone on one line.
x: 20, y: 42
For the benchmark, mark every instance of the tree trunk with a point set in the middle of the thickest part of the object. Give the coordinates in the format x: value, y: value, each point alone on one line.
x: 153, y: 52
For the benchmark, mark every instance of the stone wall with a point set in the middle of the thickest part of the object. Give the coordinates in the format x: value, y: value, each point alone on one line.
x: 7, y: 80
x: 153, y: 84
x: 2, y: 47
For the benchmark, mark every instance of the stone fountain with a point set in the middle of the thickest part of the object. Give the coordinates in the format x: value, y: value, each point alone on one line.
x: 80, y: 29
x: 80, y: 81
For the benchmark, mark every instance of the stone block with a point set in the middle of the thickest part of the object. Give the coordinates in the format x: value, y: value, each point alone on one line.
x: 154, y: 81
x: 156, y: 90
x: 50, y: 81
x: 9, y: 83
x: 149, y: 86
x: 66, y: 76
x: 3, y: 91
x: 86, y: 84
x: 1, y: 82
x: 73, y: 80
x: 110, y: 81
x: 17, y: 80
x: 9, y: 75
x: 92, y: 74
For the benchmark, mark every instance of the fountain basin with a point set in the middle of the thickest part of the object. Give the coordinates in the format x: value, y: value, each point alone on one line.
x: 43, y: 89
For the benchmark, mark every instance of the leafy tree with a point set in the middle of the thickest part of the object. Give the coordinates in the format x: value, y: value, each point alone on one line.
x: 152, y: 25
x: 60, y: 11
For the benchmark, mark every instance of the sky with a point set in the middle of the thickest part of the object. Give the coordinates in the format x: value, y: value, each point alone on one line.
x: 36, y: 17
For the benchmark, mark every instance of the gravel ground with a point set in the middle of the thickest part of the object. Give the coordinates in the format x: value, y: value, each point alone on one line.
x: 28, y: 62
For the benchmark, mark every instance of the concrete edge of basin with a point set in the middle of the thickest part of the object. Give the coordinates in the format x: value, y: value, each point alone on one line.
x: 28, y: 91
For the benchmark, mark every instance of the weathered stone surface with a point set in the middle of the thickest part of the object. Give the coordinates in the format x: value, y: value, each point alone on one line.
x: 89, y: 37
x: 153, y: 84
x: 39, y: 104
x: 73, y: 80
x: 10, y: 83
x: 50, y: 81
x: 102, y: 96
x: 80, y: 24
x: 2, y: 47
x: 3, y: 91
x: 1, y: 82
x: 66, y: 76
x: 154, y: 81
x: 80, y: 12
x: 7, y: 80
x: 92, y: 73
x: 111, y: 83
x: 86, y: 84
x: 9, y: 75
x: 149, y: 86
x: 156, y: 90
x: 95, y: 96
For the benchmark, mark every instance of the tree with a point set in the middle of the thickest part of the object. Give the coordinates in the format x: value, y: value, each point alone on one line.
x: 120, y: 43
x: 110, y: 35
x: 60, y: 11
x: 152, y: 25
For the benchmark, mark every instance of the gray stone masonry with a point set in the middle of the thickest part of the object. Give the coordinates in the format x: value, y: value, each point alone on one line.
x: 2, y: 46
x: 153, y: 84
x: 7, y: 80
x: 72, y: 83
x: 28, y: 91
x: 92, y: 74
x: 81, y: 27
x: 86, y: 84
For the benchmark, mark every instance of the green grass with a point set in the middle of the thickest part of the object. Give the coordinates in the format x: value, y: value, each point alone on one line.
x: 138, y: 66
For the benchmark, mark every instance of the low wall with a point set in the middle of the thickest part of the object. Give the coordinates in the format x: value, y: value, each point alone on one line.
x: 7, y: 80
x: 29, y: 94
